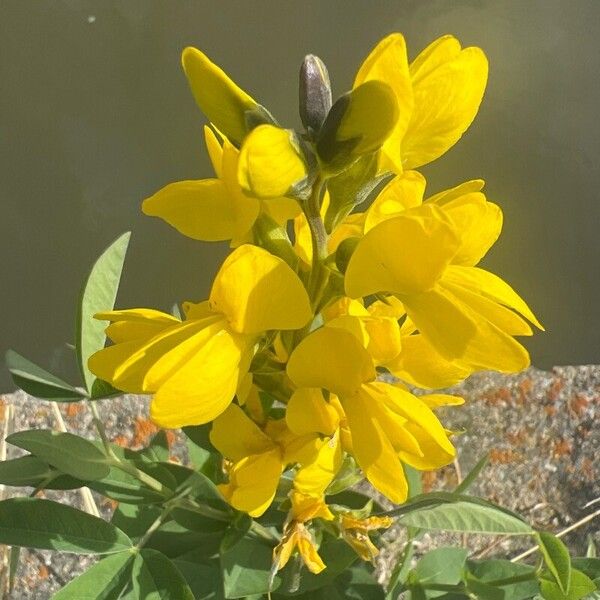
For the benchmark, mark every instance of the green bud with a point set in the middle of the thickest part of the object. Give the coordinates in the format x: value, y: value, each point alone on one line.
x: 315, y: 93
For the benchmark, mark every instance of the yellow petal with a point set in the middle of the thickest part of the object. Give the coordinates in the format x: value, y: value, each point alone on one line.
x: 315, y: 477
x: 405, y: 254
x: 373, y: 450
x: 257, y: 292
x: 135, y: 324
x: 415, y: 411
x: 202, y: 210
x: 306, y: 507
x: 477, y: 222
x: 127, y: 364
x: 218, y: 97
x: 384, y: 338
x: 388, y: 62
x: 370, y: 116
x: 437, y: 400
x: 490, y: 285
x: 308, y: 412
x: 310, y: 556
x: 467, y: 187
x: 253, y: 482
x: 215, y: 151
x: 281, y: 210
x: 353, y: 325
x: 402, y: 192
x: 202, y: 388
x: 343, y: 364
x: 458, y: 332
x: 420, y: 365
x: 503, y: 318
x: 270, y: 163
x: 448, y: 86
x: 433, y: 455
x: 235, y: 436
x: 392, y: 307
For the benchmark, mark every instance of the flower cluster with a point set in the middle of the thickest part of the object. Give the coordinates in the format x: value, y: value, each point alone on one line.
x: 342, y: 270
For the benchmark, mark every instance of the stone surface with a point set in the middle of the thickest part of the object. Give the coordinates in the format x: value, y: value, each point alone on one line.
x: 540, y: 429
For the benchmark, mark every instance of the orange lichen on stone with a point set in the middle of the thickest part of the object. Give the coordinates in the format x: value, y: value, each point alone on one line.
x: 578, y: 404
x: 171, y: 436
x: 144, y: 430
x: 122, y: 441
x: 555, y: 389
x: 43, y: 572
x: 525, y: 388
x: 550, y: 410
x: 517, y: 438
x: 501, y: 456
x: 587, y: 469
x: 428, y: 480
x: 561, y: 448
x: 72, y: 409
x: 497, y: 397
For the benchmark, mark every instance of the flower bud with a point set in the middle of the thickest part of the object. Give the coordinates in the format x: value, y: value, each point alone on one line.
x: 315, y: 93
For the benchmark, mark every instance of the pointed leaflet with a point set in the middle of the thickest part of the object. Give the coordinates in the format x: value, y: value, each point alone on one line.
x: 37, y: 381
x: 99, y: 293
x: 557, y: 559
x: 103, y: 581
x: 68, y: 453
x: 155, y: 577
x: 39, y: 523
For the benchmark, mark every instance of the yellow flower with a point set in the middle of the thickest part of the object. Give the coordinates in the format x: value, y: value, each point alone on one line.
x: 259, y: 456
x: 218, y: 209
x: 388, y: 424
x: 425, y: 257
x: 356, y: 533
x: 438, y: 95
x: 193, y: 367
x: 296, y: 536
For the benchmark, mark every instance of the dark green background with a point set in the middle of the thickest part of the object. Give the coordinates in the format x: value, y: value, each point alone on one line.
x: 95, y: 114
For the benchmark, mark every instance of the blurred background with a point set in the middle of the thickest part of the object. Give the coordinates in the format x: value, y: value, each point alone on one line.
x: 95, y: 115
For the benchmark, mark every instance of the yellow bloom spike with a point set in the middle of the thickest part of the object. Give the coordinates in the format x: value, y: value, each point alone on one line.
x: 448, y: 85
x: 257, y: 292
x: 270, y: 163
x: 218, y: 97
x: 388, y: 63
x: 343, y: 364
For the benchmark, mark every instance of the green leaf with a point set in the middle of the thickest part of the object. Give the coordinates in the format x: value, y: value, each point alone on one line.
x: 174, y: 540
x: 125, y: 488
x: 68, y: 453
x: 415, y: 482
x: 493, y: 570
x: 135, y: 519
x: 590, y: 566
x: 157, y: 450
x: 246, y: 568
x: 557, y: 558
x: 39, y: 523
x: 98, y: 294
x: 155, y: 577
x: 203, y: 576
x: 446, y: 511
x: 581, y: 586
x: 29, y: 471
x: 103, y: 581
x: 472, y: 475
x: 442, y: 565
x: 38, y: 382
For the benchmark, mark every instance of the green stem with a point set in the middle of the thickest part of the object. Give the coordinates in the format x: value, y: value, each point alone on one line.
x: 101, y: 431
x: 510, y: 580
x: 159, y: 521
x: 319, y: 273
